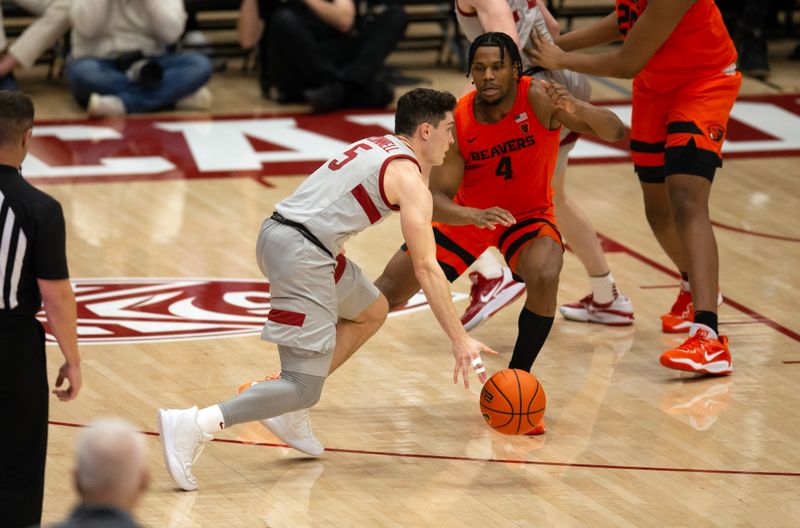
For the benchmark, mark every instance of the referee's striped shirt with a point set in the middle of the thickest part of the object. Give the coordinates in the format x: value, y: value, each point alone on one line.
x: 32, y: 243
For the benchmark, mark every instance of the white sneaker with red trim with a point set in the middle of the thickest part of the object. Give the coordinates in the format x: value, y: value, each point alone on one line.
x: 489, y: 296
x: 618, y: 312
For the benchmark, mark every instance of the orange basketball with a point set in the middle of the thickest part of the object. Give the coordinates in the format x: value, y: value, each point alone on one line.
x: 512, y: 402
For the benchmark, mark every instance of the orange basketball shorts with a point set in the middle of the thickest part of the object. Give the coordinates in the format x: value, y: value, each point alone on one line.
x: 457, y: 247
x: 681, y: 131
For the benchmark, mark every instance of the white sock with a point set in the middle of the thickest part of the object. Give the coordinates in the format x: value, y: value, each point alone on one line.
x: 488, y: 266
x: 210, y: 419
x: 697, y: 326
x: 603, y: 288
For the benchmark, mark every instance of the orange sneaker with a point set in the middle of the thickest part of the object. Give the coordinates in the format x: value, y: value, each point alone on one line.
x: 700, y: 353
x: 540, y: 429
x: 681, y: 315
x: 244, y: 386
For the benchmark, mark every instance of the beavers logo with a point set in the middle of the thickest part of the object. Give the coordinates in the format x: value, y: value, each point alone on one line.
x: 129, y: 310
x: 716, y: 132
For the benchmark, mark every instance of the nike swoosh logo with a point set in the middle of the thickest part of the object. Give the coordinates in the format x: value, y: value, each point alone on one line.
x: 494, y: 291
x: 470, y: 140
x: 712, y: 357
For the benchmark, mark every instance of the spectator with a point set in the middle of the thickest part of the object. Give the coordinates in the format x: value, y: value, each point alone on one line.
x: 313, y: 52
x: 111, y: 475
x: 119, y: 63
x: 36, y: 39
x: 33, y: 261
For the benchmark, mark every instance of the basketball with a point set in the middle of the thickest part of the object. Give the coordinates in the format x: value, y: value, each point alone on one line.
x: 512, y: 402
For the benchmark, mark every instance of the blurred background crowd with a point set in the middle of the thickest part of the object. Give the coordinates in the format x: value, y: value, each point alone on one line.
x: 118, y: 57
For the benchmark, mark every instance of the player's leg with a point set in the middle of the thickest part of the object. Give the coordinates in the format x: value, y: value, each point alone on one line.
x: 302, y: 322
x: 535, y: 252
x: 362, y: 311
x: 695, y: 131
x: 648, y: 143
x: 605, y: 304
x: 397, y: 282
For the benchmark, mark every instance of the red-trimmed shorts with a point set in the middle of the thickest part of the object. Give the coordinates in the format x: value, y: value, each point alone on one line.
x: 457, y: 247
x: 681, y: 131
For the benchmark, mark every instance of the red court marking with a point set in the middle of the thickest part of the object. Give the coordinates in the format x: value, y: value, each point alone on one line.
x: 654, y: 286
x: 739, y: 306
x: 753, y: 233
x: 262, y: 180
x: 501, y: 460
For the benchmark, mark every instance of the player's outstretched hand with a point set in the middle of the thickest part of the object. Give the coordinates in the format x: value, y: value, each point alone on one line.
x: 467, y: 353
x: 559, y: 96
x: 489, y: 218
x: 542, y: 52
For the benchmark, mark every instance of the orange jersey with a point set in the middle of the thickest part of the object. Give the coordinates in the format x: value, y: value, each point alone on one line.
x: 698, y: 47
x: 507, y: 164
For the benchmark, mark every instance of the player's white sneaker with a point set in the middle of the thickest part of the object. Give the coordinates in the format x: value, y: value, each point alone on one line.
x: 618, y: 312
x: 489, y: 296
x: 182, y: 441
x: 294, y: 429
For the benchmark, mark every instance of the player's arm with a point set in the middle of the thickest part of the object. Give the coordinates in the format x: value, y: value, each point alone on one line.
x: 601, y: 32
x: 444, y: 183
x: 549, y: 20
x: 550, y: 98
x: 495, y: 15
x: 404, y: 187
x: 645, y: 38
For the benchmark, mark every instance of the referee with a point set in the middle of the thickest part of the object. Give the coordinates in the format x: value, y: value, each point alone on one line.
x: 33, y: 269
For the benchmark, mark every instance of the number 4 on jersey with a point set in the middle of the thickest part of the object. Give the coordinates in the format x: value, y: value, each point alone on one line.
x: 504, y: 168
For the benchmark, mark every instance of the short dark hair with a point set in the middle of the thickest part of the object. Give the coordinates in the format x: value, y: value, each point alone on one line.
x: 16, y: 116
x: 421, y: 105
x: 500, y: 40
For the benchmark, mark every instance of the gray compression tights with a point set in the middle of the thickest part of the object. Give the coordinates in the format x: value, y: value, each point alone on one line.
x: 292, y: 392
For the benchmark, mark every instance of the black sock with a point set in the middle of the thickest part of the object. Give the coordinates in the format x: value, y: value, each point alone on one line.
x: 685, y: 276
x: 533, y: 331
x: 707, y: 318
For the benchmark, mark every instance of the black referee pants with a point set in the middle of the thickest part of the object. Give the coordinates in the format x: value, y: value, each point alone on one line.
x: 24, y: 397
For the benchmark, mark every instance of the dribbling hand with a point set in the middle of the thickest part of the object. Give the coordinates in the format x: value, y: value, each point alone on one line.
x: 468, y: 354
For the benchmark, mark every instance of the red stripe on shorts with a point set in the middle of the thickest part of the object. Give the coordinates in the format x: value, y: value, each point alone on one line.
x: 286, y: 317
x: 365, y: 202
x: 341, y: 262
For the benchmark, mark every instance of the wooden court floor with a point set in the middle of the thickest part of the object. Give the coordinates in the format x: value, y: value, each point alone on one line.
x: 629, y: 443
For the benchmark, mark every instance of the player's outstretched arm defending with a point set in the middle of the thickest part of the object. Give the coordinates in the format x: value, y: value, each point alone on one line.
x: 405, y: 187
x: 644, y: 39
x: 550, y: 98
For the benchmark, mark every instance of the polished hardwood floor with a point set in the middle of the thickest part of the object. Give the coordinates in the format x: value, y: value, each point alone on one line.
x: 629, y: 443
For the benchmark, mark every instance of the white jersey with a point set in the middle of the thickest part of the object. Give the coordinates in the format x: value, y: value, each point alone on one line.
x: 345, y: 195
x: 526, y: 17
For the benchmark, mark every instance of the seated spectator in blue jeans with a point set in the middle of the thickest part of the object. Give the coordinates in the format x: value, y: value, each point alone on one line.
x: 119, y: 64
x: 320, y: 52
